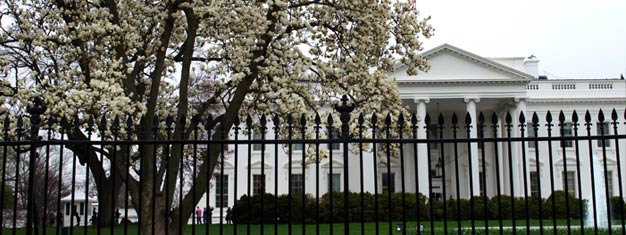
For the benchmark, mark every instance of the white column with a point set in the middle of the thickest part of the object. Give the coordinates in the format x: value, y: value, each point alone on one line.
x: 470, y: 106
x: 422, y: 149
x: 518, y: 174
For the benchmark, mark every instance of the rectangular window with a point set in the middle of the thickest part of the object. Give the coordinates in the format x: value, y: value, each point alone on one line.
x: 534, y: 184
x: 569, y: 179
x: 221, y: 191
x: 481, y: 184
x: 433, y: 132
x: 609, y: 180
x: 531, y: 134
x: 297, y: 183
x: 297, y: 147
x: 82, y: 208
x: 480, y: 134
x: 603, y: 128
x: 335, y: 145
x: 567, y: 131
x: 389, y: 182
x: 258, y: 182
x: 257, y: 147
x: 334, y: 182
x: 67, y: 208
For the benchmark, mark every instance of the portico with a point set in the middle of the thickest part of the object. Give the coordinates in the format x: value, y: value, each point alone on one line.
x: 461, y: 83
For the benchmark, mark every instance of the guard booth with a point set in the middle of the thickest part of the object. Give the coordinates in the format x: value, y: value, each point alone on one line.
x: 78, y: 212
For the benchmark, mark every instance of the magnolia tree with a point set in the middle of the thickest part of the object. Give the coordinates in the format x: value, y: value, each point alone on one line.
x: 195, y: 58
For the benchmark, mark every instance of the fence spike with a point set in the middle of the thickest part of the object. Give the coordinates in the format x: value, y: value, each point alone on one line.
x: 90, y: 123
x: 427, y: 119
x: 263, y: 121
x: 374, y: 119
x: 168, y: 121
x: 303, y: 121
x: 129, y: 123
x: 65, y: 123
x: 318, y: 120
x: 575, y: 117
x: 440, y: 120
x: 51, y: 121
x: 276, y: 122
x: 388, y: 119
x: 535, y: 119
x: 522, y: 118
x: 601, y: 116
x: 103, y: 122
x: 508, y: 118
x: 455, y: 119
x: 494, y: 118
x: 361, y: 119
x: 588, y: 117
x: 481, y: 118
x: 289, y: 119
x: 401, y: 120
x: 468, y: 119
x: 249, y: 121
x: 625, y: 113
x: 329, y: 120
x: 549, y: 117
x: 414, y: 119
x: 561, y: 117
x: 614, y: 115
x: 116, y: 123
x: 195, y: 120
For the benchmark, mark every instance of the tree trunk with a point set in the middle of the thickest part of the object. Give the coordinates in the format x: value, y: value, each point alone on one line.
x: 153, y: 215
x: 106, y: 209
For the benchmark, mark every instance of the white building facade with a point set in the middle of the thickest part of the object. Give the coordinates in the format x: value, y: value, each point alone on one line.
x: 458, y: 82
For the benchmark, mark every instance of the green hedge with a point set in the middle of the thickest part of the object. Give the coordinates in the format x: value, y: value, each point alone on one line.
x: 378, y: 207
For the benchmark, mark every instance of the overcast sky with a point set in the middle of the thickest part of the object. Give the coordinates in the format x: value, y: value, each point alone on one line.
x: 571, y: 38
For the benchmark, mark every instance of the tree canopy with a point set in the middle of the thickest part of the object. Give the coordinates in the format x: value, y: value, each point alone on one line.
x: 192, y: 58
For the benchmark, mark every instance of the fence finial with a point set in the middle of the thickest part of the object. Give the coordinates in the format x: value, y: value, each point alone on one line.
x: 344, y: 109
x: 35, y: 111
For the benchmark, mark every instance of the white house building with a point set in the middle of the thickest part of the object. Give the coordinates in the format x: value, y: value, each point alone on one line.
x: 458, y: 82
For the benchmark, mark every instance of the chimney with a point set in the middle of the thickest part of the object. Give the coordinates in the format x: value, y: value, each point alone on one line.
x: 531, y: 64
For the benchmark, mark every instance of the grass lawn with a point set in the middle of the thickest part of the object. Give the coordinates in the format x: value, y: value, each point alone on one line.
x: 355, y: 228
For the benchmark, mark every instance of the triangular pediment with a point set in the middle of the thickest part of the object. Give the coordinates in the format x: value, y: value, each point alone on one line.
x: 449, y: 63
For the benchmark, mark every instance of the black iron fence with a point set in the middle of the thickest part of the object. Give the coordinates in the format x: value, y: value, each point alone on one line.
x: 362, y: 174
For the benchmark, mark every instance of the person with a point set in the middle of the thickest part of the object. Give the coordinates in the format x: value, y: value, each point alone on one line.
x: 205, y: 215
x: 77, y: 218
x: 116, y: 218
x: 94, y: 218
x: 229, y: 215
x: 198, y: 215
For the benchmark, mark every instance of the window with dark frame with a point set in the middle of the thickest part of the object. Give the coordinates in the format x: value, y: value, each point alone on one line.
x: 389, y: 182
x: 258, y: 182
x: 257, y: 147
x: 534, y: 184
x: 567, y: 132
x: 221, y: 191
x: 531, y: 134
x: 607, y: 131
x: 334, y: 182
x: 570, y: 181
x: 335, y: 145
x: 297, y: 183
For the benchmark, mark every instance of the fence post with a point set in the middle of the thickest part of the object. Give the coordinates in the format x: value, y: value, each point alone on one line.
x: 344, y: 109
x: 38, y: 107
